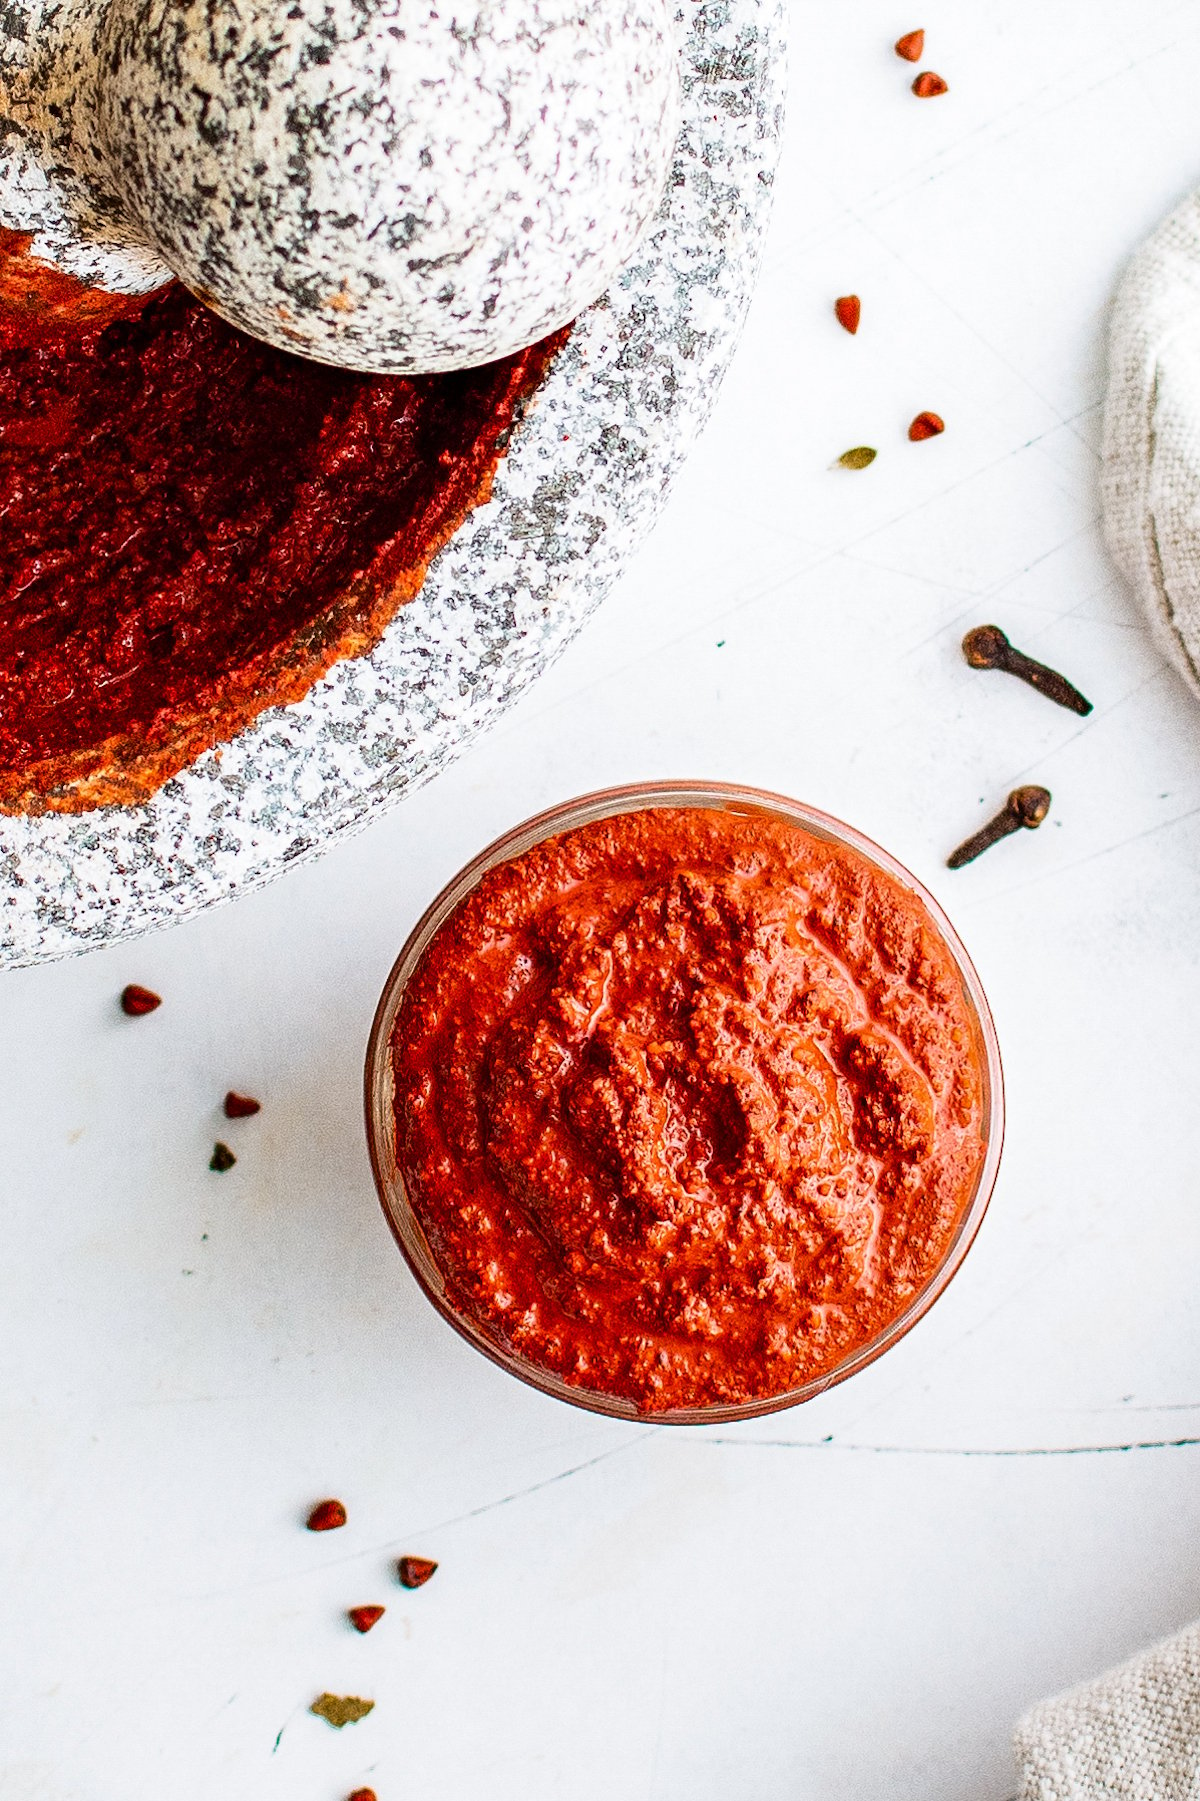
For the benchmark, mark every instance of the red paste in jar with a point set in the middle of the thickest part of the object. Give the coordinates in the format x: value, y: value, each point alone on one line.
x: 196, y: 526
x: 689, y: 1103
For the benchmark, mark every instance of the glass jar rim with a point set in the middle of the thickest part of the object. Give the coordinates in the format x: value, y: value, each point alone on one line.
x: 379, y: 1093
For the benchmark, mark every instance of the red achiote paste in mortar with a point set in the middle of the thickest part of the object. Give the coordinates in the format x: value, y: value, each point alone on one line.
x: 196, y: 526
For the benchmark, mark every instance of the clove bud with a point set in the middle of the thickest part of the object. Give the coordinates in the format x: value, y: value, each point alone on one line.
x: 1024, y: 807
x: 987, y: 647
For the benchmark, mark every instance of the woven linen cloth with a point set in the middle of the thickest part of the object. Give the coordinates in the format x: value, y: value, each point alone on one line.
x: 1132, y: 1735
x: 1151, y: 456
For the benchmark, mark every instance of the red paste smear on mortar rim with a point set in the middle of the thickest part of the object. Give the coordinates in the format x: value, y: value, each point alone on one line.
x: 689, y: 1104
x: 196, y: 526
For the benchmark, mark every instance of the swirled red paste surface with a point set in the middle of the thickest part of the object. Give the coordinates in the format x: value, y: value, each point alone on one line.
x: 689, y: 1103
x: 194, y: 526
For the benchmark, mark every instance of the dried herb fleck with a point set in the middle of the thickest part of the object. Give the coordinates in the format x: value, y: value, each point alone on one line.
x: 861, y: 457
x: 341, y: 1710
x: 222, y: 1158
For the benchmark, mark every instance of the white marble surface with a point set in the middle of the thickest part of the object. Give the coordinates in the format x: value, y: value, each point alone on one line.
x: 847, y: 1603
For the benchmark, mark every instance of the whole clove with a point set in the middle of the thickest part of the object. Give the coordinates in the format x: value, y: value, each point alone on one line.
x: 987, y: 647
x: 1026, y: 807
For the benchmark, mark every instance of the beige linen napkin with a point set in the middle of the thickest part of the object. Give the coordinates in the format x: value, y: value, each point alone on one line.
x: 1151, y: 458
x: 1132, y: 1735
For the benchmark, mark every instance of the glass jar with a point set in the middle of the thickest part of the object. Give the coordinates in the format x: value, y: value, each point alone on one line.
x: 389, y: 1178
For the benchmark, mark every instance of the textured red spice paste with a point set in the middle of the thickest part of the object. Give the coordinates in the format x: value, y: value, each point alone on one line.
x: 689, y: 1103
x: 195, y: 526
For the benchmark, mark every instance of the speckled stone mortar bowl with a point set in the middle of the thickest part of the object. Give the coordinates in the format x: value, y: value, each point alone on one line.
x: 586, y: 474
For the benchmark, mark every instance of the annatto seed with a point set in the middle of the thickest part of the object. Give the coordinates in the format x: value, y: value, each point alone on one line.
x: 363, y: 1618
x: 849, y: 312
x: 326, y: 1516
x: 414, y: 1572
x: 240, y: 1106
x: 911, y: 46
x: 136, y: 1001
x: 928, y: 86
x: 926, y: 425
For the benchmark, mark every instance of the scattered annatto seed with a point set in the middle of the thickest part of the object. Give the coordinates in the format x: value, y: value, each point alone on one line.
x: 414, y: 1572
x: 240, y: 1106
x: 849, y: 312
x: 926, y: 425
x: 928, y: 86
x: 861, y: 457
x: 911, y: 46
x: 326, y: 1516
x: 363, y: 1794
x: 363, y: 1618
x: 136, y: 1001
x: 222, y: 1158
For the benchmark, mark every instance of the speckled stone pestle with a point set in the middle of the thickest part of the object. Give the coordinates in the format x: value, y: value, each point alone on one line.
x: 584, y: 479
x: 392, y: 187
